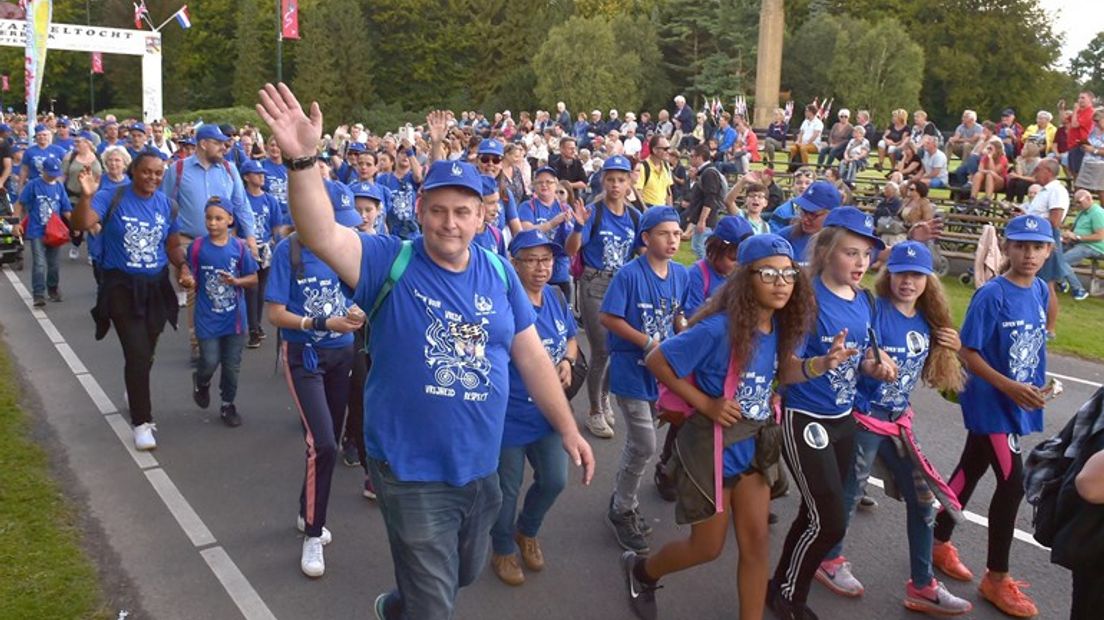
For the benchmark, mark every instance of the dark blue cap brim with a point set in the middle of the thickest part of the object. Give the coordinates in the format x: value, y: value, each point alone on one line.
x: 878, y: 243
x: 1029, y: 236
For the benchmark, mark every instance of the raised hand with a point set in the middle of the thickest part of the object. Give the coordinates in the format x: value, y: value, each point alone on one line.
x: 580, y: 212
x: 295, y: 132
x: 840, y: 352
x: 87, y: 181
x: 437, y: 123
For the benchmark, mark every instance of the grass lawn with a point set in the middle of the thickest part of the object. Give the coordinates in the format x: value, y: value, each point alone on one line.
x: 44, y: 573
x: 1077, y: 320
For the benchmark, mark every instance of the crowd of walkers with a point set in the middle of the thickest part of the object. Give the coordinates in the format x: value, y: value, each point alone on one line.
x: 428, y: 287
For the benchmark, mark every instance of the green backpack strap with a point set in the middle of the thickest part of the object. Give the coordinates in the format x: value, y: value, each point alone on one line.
x: 398, y: 267
x: 499, y: 267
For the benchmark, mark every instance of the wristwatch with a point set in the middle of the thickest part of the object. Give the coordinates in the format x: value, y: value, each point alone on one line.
x: 301, y: 163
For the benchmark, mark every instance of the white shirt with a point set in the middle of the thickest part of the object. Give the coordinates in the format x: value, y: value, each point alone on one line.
x: 633, y: 147
x: 810, y: 129
x: 1053, y: 196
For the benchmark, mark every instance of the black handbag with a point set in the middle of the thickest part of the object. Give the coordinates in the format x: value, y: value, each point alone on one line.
x: 579, y: 370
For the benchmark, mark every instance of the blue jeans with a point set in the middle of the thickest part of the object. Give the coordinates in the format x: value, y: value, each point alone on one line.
x: 438, y: 535
x: 225, y: 351
x: 1071, y: 257
x: 44, y: 267
x: 918, y: 499
x: 697, y: 241
x: 549, y: 462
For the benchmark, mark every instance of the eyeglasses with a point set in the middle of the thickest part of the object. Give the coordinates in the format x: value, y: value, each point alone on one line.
x: 487, y: 159
x: 661, y: 148
x: 770, y: 275
x: 535, y: 262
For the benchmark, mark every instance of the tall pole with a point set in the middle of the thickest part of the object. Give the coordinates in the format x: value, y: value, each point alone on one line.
x: 768, y: 71
x: 91, y: 71
x: 279, y: 43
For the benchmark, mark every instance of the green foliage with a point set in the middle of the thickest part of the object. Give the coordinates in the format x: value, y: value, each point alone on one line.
x: 256, y: 50
x: 709, y: 46
x: 636, y: 36
x: 337, y: 62
x: 806, y: 55
x: 888, y: 71
x: 590, y: 70
x: 1088, y: 66
x: 236, y: 116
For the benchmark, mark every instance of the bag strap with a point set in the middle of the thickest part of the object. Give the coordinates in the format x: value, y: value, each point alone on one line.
x: 179, y: 179
x: 398, y: 268
x: 193, y: 256
x: 295, y: 252
x: 706, y: 277
x: 731, y: 387
x: 499, y: 267
x: 114, y: 206
x: 647, y: 171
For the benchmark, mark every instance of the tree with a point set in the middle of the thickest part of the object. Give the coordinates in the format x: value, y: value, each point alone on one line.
x: 881, y: 70
x: 809, y: 54
x: 335, y: 59
x: 637, y: 36
x: 256, y: 50
x: 709, y: 46
x: 1088, y: 66
x: 590, y: 70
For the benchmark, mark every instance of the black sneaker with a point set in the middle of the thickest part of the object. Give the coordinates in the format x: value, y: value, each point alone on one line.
x: 867, y: 503
x: 229, y: 415
x: 254, y: 341
x: 349, y: 454
x: 55, y: 295
x: 201, y: 394
x: 641, y: 595
x: 626, y: 527
x: 642, y: 523
x: 39, y: 302
x: 664, y: 484
x: 785, y: 609
x: 262, y: 334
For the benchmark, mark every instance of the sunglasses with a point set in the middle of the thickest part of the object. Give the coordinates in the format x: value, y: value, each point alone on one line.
x: 488, y: 159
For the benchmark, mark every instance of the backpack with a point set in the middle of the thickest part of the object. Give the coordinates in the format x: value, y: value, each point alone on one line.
x: 577, y: 263
x: 118, y: 197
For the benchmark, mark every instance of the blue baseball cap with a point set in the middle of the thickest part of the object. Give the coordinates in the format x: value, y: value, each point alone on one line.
x: 910, y: 256
x: 854, y: 220
x: 548, y: 170
x: 820, y: 196
x: 490, y: 146
x: 140, y: 127
x: 460, y: 175
x: 367, y: 189
x: 87, y: 135
x: 490, y: 185
x: 761, y: 246
x: 345, y: 213
x: 252, y: 166
x: 654, y: 217
x: 209, y: 131
x: 733, y: 229
x: 40, y: 128
x: 216, y: 201
x: 4, y: 127
x: 1029, y: 228
x: 63, y: 122
x: 619, y: 163
x: 533, y: 238
x: 186, y: 141
x: 357, y: 147
x: 51, y: 166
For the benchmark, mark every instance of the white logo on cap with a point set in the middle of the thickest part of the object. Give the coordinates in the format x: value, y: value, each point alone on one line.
x: 869, y: 222
x: 1031, y: 223
x: 457, y: 171
x: 911, y: 252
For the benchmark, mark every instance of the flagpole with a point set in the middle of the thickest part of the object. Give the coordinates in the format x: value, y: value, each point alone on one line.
x: 279, y: 43
x: 91, y: 71
x: 166, y: 22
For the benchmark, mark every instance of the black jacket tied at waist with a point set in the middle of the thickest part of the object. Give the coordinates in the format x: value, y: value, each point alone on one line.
x: 150, y: 298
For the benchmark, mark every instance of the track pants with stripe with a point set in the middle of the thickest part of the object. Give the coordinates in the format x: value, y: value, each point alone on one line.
x: 820, y: 453
x: 320, y: 397
x: 1001, y: 452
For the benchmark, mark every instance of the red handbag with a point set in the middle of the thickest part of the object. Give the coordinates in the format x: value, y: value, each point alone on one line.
x: 56, y: 233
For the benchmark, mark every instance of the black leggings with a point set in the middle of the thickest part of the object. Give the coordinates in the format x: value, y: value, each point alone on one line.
x: 354, y: 421
x: 138, y: 336
x: 1002, y: 453
x: 819, y: 452
x: 254, y: 301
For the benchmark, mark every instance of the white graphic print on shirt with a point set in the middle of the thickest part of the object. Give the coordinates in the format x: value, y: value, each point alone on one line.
x: 323, y: 299
x: 614, y: 251
x: 223, y: 296
x: 141, y: 241
x: 896, y: 394
x: 1023, y: 355
x: 843, y: 378
x: 46, y: 206
x: 456, y: 349
x: 754, y: 396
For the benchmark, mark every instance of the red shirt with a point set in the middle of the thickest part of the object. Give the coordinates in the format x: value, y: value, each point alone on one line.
x: 1078, y: 135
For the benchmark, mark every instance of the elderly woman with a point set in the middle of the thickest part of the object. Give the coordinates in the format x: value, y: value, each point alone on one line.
x: 1091, y: 176
x: 992, y: 174
x: 82, y: 156
x: 887, y: 215
x: 1042, y: 132
x: 838, y: 137
x: 896, y: 136
x: 916, y: 207
x: 1023, y: 175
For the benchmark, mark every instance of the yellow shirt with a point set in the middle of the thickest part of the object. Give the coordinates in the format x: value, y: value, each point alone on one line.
x: 654, y: 191
x: 1051, y: 130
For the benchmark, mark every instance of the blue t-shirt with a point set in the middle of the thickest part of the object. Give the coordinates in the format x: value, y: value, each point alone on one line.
x: 908, y: 341
x: 266, y: 215
x: 800, y: 242
x: 1006, y: 325
x: 40, y: 200
x: 313, y: 293
x: 95, y: 242
x: 65, y: 144
x: 441, y: 346
x: 276, y: 185
x: 400, y: 215
x: 35, y: 155
x: 832, y: 395
x: 134, y: 239
x: 536, y: 212
x: 649, y: 304
x: 610, y: 248
x: 380, y: 225
x: 699, y: 290
x: 491, y: 238
x: 507, y: 209
x: 555, y: 326
x: 220, y: 307
x: 703, y: 351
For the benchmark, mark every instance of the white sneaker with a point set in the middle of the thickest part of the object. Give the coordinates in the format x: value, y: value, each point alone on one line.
x: 301, y: 525
x: 311, y: 562
x: 836, y: 576
x: 143, y: 436
x: 182, y: 299
x: 598, y: 426
x: 611, y: 420
x: 74, y: 253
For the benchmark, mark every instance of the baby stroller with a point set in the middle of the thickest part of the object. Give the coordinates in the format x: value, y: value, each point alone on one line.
x: 11, y: 247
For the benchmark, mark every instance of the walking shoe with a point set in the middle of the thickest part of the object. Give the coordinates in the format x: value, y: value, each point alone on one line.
x: 369, y: 492
x: 311, y: 562
x: 74, y: 252
x: 301, y: 525
x: 867, y: 502
x: 229, y: 415
x: 597, y: 425
x: 531, y: 553
x: 507, y: 569
x: 836, y: 576
x: 772, y: 519
x: 385, y: 607
x: 626, y: 527
x: 1005, y: 595
x: 785, y: 609
x: 39, y: 302
x: 611, y: 419
x: 945, y: 558
x: 261, y: 333
x: 1080, y: 295
x: 55, y: 295
x: 349, y: 454
x: 201, y: 394
x: 641, y: 594
x: 642, y: 523
x: 143, y: 436
x: 1063, y: 287
x: 665, y: 484
x: 254, y: 341
x: 935, y: 600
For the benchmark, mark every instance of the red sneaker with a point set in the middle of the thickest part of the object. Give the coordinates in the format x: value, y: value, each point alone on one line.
x: 1006, y: 595
x: 945, y: 558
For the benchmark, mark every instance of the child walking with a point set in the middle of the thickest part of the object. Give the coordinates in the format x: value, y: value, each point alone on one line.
x: 269, y: 225
x: 40, y: 199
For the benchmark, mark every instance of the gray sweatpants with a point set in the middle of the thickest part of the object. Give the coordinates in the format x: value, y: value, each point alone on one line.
x: 640, y: 447
x: 592, y: 289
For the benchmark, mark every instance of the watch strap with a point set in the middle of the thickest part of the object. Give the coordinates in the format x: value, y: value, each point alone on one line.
x: 301, y: 163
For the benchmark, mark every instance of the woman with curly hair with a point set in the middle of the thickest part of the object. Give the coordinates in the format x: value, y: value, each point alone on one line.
x: 913, y: 326
x: 763, y: 313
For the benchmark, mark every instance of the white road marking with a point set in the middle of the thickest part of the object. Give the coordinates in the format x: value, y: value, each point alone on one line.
x: 225, y: 570
x: 1092, y: 384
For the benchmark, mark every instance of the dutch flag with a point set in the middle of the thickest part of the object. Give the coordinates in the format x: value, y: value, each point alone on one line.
x: 182, y: 18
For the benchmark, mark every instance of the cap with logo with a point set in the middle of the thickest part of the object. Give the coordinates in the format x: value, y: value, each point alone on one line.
x: 490, y: 146
x: 855, y: 221
x: 252, y: 166
x: 1029, y: 228
x: 490, y: 185
x: 533, y: 238
x: 546, y: 170
x: 51, y: 166
x: 216, y: 201
x: 618, y: 163
x: 210, y: 131
x: 40, y: 128
x: 357, y: 147
x: 138, y: 127
x: 460, y: 175
x: 820, y: 196
x: 762, y: 246
x: 367, y: 189
x: 733, y: 229
x: 910, y: 256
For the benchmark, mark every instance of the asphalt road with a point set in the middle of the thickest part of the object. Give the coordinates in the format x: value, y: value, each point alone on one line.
x: 228, y: 548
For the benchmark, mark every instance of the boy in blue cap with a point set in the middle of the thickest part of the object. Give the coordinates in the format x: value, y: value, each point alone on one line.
x: 642, y: 307
x: 268, y: 227
x: 39, y: 200
x: 813, y: 206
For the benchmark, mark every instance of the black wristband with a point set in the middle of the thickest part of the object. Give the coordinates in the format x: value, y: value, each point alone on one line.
x: 320, y: 323
x: 301, y: 163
